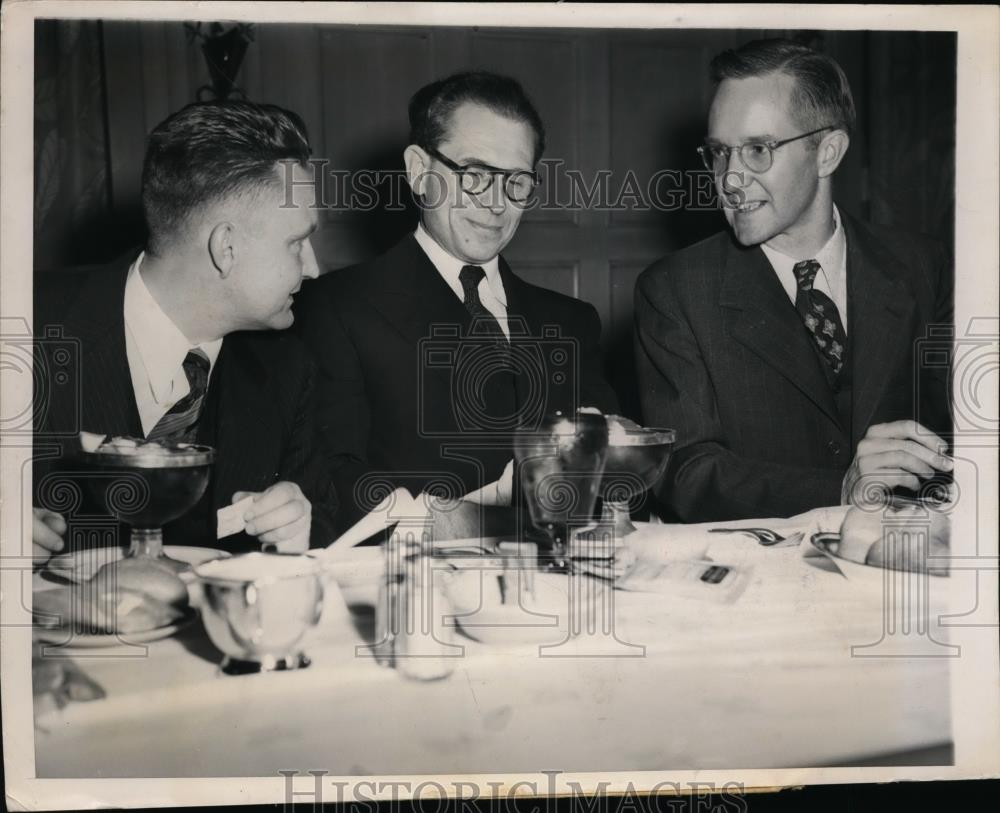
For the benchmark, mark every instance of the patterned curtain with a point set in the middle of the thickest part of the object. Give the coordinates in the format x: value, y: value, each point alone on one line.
x: 72, y: 192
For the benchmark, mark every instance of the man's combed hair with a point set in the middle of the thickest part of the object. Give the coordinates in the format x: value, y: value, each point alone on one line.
x: 822, y: 95
x: 432, y: 106
x: 209, y: 151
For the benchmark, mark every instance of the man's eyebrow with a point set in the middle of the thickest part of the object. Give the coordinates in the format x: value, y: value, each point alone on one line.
x: 754, y: 139
x: 471, y: 160
x: 303, y: 235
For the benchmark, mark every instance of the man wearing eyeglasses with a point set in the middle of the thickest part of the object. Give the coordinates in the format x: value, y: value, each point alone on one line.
x: 783, y: 351
x: 432, y: 354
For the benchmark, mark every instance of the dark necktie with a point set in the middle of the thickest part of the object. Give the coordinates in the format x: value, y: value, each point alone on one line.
x: 181, y: 421
x: 489, y: 395
x: 483, y: 322
x: 820, y: 315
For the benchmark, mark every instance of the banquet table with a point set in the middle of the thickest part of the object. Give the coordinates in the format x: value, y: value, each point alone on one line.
x: 797, y: 670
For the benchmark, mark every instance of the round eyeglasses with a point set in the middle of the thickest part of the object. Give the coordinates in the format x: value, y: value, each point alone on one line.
x: 757, y: 156
x: 518, y: 185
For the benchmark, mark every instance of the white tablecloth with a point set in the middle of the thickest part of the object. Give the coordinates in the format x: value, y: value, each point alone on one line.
x: 774, y: 679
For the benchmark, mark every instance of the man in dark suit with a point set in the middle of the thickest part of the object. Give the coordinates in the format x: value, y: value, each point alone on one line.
x: 783, y: 352
x: 181, y: 342
x: 432, y: 354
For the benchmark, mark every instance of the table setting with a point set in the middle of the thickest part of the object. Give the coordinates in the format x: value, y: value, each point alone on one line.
x: 590, y: 642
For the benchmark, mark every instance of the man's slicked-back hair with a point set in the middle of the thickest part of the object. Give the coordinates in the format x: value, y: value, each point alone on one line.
x: 432, y: 106
x: 822, y: 96
x: 209, y: 151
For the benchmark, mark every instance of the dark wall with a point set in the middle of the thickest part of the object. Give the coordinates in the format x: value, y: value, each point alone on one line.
x: 625, y: 103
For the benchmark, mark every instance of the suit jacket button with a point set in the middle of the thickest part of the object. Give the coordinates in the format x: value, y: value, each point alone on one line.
x: 834, y: 447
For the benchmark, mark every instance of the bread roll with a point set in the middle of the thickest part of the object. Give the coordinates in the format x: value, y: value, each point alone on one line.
x: 145, y: 576
x: 88, y: 608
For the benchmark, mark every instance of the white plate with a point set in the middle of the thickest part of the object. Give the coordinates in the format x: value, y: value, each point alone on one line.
x: 64, y: 637
x: 81, y: 565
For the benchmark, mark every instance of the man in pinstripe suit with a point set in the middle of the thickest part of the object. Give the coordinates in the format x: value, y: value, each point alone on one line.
x: 185, y: 340
x: 782, y: 351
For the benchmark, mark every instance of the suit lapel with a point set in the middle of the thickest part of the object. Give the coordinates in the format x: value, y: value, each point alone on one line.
x: 531, y: 327
x: 763, y: 319
x: 523, y: 317
x: 412, y: 295
x: 879, y: 307
x: 98, y: 321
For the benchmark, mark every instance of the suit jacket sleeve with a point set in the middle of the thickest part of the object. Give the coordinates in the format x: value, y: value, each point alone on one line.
x: 935, y: 389
x: 344, y: 416
x: 705, y: 480
x: 303, y: 463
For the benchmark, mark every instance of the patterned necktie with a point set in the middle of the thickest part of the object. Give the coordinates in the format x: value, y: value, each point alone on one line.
x: 180, y: 422
x: 820, y: 314
x: 483, y: 322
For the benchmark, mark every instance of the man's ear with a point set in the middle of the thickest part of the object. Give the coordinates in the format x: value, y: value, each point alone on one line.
x: 417, y: 164
x: 222, y: 248
x: 831, y: 152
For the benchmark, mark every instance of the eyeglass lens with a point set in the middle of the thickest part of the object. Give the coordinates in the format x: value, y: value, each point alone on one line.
x: 756, y: 157
x: 518, y: 187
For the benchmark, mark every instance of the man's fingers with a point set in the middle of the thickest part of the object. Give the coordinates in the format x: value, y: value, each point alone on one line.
x: 277, y: 495
x: 278, y: 517
x: 873, y: 465
x: 899, y: 459
x: 887, y: 479
x: 39, y: 555
x: 44, y: 537
x: 52, y: 519
x: 872, y: 447
x: 56, y: 522
x: 288, y: 533
x: 299, y: 543
x: 909, y: 430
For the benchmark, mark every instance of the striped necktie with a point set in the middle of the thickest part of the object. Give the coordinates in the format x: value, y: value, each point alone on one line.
x: 180, y: 423
x: 820, y: 315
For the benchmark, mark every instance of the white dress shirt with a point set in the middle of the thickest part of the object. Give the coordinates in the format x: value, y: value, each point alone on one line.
x: 156, y: 349
x: 832, y: 278
x: 491, y: 292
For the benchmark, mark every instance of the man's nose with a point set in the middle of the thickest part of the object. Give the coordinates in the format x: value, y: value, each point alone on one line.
x: 310, y: 268
x: 496, y: 200
x: 734, y: 178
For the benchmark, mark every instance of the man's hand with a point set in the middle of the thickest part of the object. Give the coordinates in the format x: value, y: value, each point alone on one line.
x: 280, y: 516
x: 47, y: 529
x: 901, y: 453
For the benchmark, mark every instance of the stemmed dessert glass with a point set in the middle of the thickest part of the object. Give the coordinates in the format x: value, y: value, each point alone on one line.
x: 637, y: 458
x: 560, y: 465
x: 148, y: 486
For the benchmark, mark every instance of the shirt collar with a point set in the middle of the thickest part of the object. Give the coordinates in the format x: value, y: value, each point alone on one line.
x: 450, y: 267
x: 831, y: 257
x: 160, y: 343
